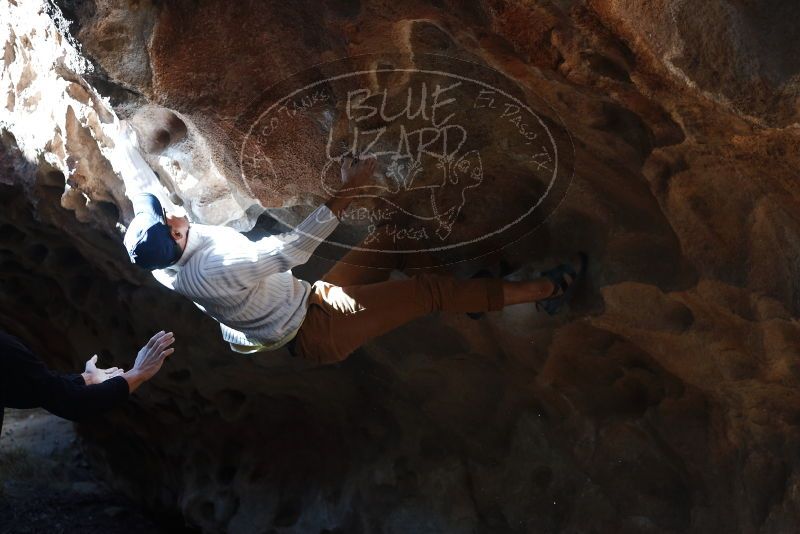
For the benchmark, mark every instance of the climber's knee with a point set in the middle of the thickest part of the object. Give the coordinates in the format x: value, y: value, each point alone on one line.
x: 316, y: 340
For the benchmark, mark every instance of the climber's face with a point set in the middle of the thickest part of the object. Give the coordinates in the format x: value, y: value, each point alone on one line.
x: 178, y: 228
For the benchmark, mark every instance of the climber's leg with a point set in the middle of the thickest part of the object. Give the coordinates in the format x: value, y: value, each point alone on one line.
x: 341, y: 319
x: 527, y: 291
x: 363, y: 267
x: 371, y: 262
x: 368, y: 263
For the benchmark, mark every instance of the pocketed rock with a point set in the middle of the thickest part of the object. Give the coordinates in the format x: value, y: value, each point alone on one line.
x: 664, y: 400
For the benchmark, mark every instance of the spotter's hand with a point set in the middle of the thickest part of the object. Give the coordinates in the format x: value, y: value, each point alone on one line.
x: 95, y: 375
x: 150, y: 359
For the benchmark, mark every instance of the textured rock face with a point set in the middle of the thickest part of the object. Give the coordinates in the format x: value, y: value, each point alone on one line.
x: 664, y: 401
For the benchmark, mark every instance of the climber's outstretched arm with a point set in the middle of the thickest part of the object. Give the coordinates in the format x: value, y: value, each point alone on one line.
x: 244, y: 265
x: 281, y: 252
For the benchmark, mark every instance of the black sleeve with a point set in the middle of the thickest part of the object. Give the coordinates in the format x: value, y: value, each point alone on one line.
x: 75, y: 378
x: 66, y: 399
x: 25, y: 382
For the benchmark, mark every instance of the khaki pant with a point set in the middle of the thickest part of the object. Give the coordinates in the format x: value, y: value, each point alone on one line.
x: 353, y: 304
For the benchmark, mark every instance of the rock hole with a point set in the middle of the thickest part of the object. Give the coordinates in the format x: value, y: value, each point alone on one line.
x: 159, y: 129
x: 629, y: 126
x: 37, y: 252
x: 10, y: 234
x: 79, y: 288
x: 429, y: 37
x: 53, y: 179
x: 344, y: 8
x: 109, y: 209
x: 679, y: 317
x: 67, y: 258
x: 10, y: 266
x: 606, y: 67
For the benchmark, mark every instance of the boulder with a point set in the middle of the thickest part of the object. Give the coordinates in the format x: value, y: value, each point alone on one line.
x: 663, y: 400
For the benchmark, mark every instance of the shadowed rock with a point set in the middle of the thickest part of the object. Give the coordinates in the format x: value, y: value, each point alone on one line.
x: 664, y: 400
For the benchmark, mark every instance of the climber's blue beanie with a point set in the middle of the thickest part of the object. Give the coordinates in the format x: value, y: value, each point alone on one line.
x: 148, y: 238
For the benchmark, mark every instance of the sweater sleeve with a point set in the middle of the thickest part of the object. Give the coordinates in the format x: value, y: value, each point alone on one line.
x: 76, y: 378
x: 126, y: 159
x: 276, y: 253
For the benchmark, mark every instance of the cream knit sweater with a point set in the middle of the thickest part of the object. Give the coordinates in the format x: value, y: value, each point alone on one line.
x: 248, y: 286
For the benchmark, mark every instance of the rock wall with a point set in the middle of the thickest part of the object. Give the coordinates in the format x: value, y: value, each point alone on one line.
x: 665, y: 400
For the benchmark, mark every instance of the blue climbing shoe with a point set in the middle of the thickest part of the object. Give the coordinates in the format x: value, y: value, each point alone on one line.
x: 563, y: 287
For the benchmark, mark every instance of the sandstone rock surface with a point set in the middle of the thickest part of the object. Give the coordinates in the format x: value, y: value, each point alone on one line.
x: 665, y: 400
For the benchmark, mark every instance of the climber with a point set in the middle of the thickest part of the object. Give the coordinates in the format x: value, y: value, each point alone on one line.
x: 25, y: 382
x: 249, y: 289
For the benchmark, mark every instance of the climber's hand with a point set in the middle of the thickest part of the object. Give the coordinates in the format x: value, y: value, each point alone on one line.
x: 358, y: 172
x: 355, y: 174
x: 94, y: 375
x: 150, y: 359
